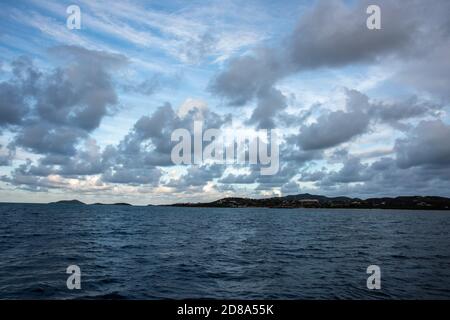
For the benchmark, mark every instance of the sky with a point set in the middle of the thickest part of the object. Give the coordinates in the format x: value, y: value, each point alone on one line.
x: 88, y: 113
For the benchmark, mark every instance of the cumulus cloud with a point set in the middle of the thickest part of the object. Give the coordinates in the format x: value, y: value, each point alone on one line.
x: 53, y: 111
x: 135, y: 160
x: 247, y: 75
x: 352, y: 171
x: 26, y: 177
x: 149, y: 145
x: 291, y: 187
x: 419, y: 166
x: 197, y: 177
x: 43, y: 137
x: 12, y: 106
x: 429, y: 73
x: 252, y: 76
x: 426, y: 144
x: 264, y: 182
x: 149, y: 141
x: 381, y: 178
x: 6, y: 156
x: 269, y: 102
x: 334, y: 34
x: 15, y: 91
x: 191, y: 104
x: 87, y: 161
x: 409, y: 108
x: 80, y: 93
x: 332, y: 129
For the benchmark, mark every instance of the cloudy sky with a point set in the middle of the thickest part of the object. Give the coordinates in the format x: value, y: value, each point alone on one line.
x: 88, y: 113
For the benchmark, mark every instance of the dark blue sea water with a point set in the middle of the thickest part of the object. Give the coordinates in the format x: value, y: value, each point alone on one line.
x: 164, y: 252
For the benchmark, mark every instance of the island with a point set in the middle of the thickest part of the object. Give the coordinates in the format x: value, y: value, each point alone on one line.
x: 307, y: 200
x: 78, y: 202
x: 69, y: 202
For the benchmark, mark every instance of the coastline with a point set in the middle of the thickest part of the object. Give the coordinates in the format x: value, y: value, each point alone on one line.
x: 298, y: 201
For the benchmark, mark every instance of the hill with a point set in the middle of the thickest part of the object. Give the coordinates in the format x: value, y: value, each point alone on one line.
x: 68, y: 202
x: 307, y: 200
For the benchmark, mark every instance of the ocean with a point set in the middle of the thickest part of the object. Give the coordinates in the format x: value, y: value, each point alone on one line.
x: 127, y: 252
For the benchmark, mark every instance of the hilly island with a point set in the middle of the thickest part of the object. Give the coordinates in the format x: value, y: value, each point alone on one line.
x: 307, y: 200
